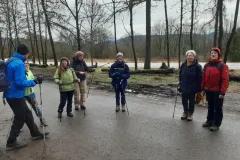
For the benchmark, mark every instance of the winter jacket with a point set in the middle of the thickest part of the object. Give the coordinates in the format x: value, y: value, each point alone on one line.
x: 119, y: 72
x: 190, y: 77
x: 79, y: 66
x: 29, y: 90
x: 17, y: 77
x: 215, y: 78
x: 68, y: 78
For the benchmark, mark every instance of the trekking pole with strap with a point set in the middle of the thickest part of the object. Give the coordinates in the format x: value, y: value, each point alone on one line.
x: 40, y: 89
x: 89, y: 87
x: 175, y: 102
x: 125, y: 96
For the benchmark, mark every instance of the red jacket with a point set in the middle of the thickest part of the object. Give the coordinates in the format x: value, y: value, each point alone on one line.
x: 211, y: 78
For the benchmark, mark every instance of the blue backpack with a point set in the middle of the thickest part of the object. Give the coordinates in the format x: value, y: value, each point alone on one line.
x: 4, y: 85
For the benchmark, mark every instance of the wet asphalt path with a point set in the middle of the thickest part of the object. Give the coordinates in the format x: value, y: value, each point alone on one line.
x: 148, y: 133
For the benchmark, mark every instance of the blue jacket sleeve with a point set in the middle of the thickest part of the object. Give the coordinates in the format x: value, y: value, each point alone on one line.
x: 126, y: 74
x: 20, y: 77
x: 199, y: 77
x: 111, y: 72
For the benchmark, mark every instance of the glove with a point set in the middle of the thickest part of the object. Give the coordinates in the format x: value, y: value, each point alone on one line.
x: 38, y: 80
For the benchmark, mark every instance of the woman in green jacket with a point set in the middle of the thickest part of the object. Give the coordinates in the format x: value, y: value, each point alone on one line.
x: 65, y: 78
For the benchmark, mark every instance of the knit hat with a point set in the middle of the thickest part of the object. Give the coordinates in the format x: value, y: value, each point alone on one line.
x: 22, y: 49
x: 216, y: 50
x: 79, y: 53
x: 191, y: 51
x: 65, y: 58
x: 119, y: 54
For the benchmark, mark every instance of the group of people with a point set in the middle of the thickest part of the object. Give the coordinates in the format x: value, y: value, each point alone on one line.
x: 212, y: 81
x: 71, y: 79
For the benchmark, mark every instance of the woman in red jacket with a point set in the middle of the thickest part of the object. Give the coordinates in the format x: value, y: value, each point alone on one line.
x: 215, y: 81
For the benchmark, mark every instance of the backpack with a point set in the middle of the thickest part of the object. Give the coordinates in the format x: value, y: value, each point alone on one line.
x: 4, y: 85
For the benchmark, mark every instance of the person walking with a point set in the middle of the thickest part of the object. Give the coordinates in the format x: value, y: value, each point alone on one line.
x: 215, y: 83
x: 30, y: 96
x: 65, y: 77
x: 16, y: 77
x: 190, y: 77
x: 119, y: 72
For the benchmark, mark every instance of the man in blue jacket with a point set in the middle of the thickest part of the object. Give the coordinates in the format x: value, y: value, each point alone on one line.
x: 16, y: 76
x: 119, y: 73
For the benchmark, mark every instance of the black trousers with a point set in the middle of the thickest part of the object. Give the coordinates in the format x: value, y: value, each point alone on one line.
x: 188, y: 101
x: 22, y: 114
x: 215, y: 108
x: 65, y: 97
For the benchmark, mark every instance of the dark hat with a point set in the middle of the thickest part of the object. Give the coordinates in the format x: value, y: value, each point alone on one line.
x: 22, y: 49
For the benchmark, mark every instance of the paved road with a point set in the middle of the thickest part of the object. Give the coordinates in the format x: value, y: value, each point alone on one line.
x: 148, y: 133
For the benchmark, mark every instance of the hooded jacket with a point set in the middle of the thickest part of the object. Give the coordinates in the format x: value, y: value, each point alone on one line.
x: 16, y: 76
x: 190, y: 77
x: 119, y: 72
x: 215, y: 79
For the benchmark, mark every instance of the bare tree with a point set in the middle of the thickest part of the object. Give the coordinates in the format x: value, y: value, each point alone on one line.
x: 147, y: 64
x: 216, y: 27
x: 180, y: 35
x: 192, y: 21
x: 49, y: 32
x: 232, y: 33
x: 220, y: 8
x: 167, y: 32
x: 115, y: 26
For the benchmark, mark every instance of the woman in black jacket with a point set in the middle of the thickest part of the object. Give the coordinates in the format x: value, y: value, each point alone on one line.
x: 190, y: 77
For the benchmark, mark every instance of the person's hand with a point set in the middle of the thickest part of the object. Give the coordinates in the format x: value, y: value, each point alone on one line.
x: 221, y: 96
x: 39, y: 79
x: 81, y: 73
x: 60, y: 82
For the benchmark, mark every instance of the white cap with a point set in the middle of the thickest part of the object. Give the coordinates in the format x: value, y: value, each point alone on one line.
x: 191, y: 51
x: 119, y: 54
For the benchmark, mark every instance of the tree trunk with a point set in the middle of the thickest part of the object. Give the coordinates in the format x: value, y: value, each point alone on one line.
x: 147, y: 64
x: 115, y: 27
x: 77, y: 26
x: 167, y: 32
x: 29, y: 32
x: 10, y: 40
x: 40, y: 32
x: 45, y: 56
x: 91, y: 43
x: 34, y: 31
x: 192, y: 20
x: 220, y: 38
x: 216, y: 28
x: 1, y: 46
x: 14, y: 21
x: 50, y: 33
x: 232, y: 33
x: 180, y: 36
x: 132, y: 33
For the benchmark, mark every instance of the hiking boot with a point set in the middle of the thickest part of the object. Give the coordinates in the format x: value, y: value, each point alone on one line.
x: 190, y: 117
x: 76, y: 107
x: 59, y: 115
x: 184, y: 116
x: 83, y: 107
x: 43, y: 123
x: 117, y: 108
x: 123, y: 108
x: 214, y: 128
x: 15, y: 145
x: 207, y: 124
x: 40, y: 136
x: 70, y: 114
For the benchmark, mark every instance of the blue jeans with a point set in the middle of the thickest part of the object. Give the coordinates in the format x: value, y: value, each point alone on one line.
x: 118, y: 91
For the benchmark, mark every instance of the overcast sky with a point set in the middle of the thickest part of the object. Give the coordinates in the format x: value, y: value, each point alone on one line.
x: 158, y: 15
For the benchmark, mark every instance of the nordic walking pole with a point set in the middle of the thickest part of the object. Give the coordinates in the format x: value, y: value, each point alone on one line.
x: 40, y: 89
x: 175, y: 103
